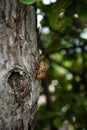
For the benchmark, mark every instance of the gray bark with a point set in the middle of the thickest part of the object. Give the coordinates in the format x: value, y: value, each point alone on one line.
x: 19, y: 88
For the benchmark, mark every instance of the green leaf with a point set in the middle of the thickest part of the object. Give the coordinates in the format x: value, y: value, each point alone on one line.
x: 56, y: 16
x: 57, y: 122
x: 28, y: 1
x: 81, y: 9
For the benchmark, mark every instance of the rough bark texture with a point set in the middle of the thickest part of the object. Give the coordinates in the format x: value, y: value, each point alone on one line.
x: 19, y: 88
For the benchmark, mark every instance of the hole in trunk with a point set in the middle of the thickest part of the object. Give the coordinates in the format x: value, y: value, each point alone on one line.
x: 17, y: 82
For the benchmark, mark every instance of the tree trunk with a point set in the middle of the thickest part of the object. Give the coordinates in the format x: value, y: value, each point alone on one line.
x: 19, y: 88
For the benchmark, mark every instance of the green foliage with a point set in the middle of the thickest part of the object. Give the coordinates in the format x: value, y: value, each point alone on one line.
x: 28, y: 1
x: 81, y: 9
x: 65, y: 51
x: 56, y: 16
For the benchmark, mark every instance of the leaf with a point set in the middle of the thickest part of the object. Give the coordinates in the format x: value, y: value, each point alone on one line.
x: 56, y: 16
x: 28, y: 1
x: 81, y: 9
x: 57, y: 122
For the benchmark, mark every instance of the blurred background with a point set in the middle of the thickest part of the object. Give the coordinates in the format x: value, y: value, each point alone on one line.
x: 63, y: 46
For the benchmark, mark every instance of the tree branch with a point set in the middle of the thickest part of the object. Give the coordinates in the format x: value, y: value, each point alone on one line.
x: 69, y: 69
x: 58, y: 63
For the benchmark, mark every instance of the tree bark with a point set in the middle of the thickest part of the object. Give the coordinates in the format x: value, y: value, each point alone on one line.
x: 19, y: 88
